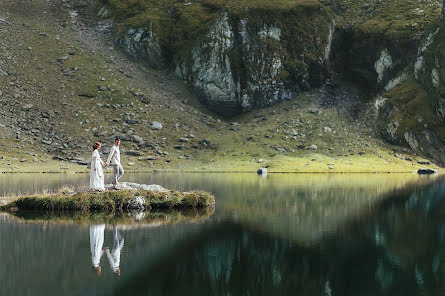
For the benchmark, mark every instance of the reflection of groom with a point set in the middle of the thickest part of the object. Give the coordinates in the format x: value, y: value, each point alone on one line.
x: 115, y: 158
x: 115, y: 255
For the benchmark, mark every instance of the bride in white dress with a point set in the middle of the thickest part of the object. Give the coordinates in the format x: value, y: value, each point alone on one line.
x: 97, y: 174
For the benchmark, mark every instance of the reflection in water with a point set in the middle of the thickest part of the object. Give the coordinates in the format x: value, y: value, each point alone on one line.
x: 284, y: 234
x: 97, y: 248
x: 397, y: 249
x: 97, y: 244
x: 114, y: 257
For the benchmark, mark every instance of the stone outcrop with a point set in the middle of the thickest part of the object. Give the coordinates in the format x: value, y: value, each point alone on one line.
x: 242, y: 60
x: 128, y: 185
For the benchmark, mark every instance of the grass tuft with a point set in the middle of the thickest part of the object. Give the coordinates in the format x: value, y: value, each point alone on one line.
x: 112, y: 201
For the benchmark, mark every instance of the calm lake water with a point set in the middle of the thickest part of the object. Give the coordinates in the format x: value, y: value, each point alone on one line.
x: 283, y: 234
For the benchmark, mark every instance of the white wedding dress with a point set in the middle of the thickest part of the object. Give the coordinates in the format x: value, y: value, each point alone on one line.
x: 97, y: 173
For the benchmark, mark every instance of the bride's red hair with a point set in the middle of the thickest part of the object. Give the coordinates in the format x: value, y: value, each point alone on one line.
x: 96, y: 145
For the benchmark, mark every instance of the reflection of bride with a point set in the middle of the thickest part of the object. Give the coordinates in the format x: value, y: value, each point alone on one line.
x: 96, y: 244
x: 115, y: 255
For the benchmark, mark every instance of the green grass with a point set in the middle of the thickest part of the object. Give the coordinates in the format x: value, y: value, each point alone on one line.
x: 400, y: 19
x: 111, y: 201
x: 409, y: 102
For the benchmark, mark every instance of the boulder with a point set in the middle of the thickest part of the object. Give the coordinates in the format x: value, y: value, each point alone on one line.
x: 136, y: 186
x: 423, y: 171
x: 262, y: 171
x: 27, y: 107
x: 137, y: 203
x: 138, y: 139
x: 156, y: 125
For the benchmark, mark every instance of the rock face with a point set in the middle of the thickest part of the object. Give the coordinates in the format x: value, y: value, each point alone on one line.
x: 368, y: 61
x: 427, y: 142
x: 142, y: 43
x: 241, y: 66
x: 242, y: 60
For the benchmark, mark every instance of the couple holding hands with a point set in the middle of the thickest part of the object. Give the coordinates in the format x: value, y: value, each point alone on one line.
x: 97, y: 181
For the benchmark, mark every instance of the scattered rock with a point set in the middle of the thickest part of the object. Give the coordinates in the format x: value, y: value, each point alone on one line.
x: 260, y: 160
x: 45, y: 114
x: 424, y: 162
x: 327, y: 129
x: 183, y: 140
x: 62, y: 59
x: 145, y: 158
x: 156, y: 125
x: 312, y: 147
x: 134, y: 153
x: 138, y: 139
x: 131, y: 163
x: 27, y: 107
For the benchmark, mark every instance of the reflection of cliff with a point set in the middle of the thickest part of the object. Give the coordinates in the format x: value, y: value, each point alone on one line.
x: 398, y: 249
x: 301, y: 207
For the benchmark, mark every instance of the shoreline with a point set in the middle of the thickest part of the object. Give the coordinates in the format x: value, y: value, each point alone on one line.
x: 158, y: 171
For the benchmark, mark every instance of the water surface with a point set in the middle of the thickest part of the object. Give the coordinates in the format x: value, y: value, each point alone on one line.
x: 284, y: 234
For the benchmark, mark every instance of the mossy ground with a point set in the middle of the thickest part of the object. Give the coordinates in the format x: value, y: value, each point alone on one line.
x: 413, y: 108
x: 111, y: 201
x: 400, y: 19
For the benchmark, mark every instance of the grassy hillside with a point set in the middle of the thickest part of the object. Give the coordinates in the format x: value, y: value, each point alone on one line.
x: 64, y: 85
x: 401, y: 19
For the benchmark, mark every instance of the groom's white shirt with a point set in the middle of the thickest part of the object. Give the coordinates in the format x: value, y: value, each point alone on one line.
x: 115, y: 156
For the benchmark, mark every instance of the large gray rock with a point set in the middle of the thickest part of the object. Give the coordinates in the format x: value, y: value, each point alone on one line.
x: 136, y: 186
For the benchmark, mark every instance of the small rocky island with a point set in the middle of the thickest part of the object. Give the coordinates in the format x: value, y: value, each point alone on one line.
x: 132, y: 196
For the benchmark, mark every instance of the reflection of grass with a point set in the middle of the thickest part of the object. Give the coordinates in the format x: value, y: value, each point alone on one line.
x: 112, y: 201
x: 117, y: 218
x: 304, y: 207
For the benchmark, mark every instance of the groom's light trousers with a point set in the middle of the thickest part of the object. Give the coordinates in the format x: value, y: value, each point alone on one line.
x: 118, y: 172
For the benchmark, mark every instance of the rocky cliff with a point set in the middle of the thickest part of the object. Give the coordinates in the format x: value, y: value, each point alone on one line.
x: 243, y: 57
x: 238, y: 56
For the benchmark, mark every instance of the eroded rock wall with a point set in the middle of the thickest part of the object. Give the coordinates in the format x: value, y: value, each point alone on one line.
x: 242, y: 60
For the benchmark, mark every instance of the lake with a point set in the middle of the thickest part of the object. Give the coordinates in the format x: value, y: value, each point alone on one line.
x: 304, y: 234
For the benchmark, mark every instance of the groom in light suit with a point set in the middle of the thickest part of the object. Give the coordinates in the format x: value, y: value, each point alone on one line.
x: 115, y: 158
